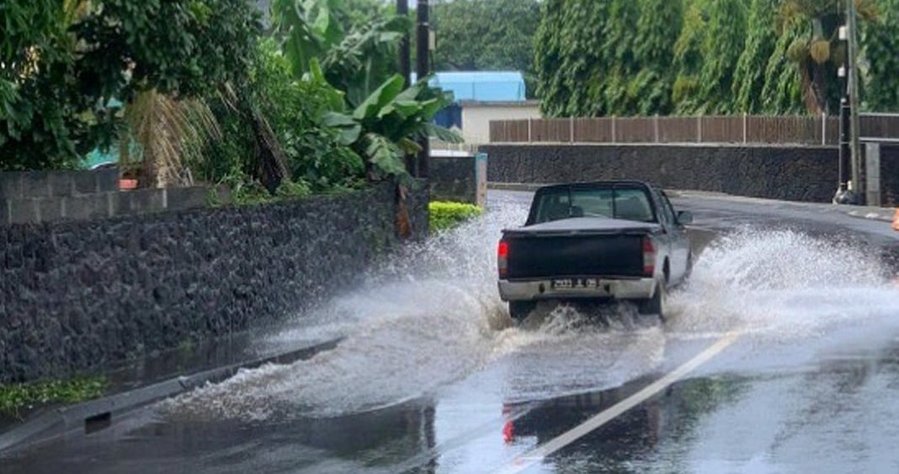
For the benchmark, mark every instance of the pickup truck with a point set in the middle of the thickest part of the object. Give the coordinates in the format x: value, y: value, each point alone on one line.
x: 595, y: 242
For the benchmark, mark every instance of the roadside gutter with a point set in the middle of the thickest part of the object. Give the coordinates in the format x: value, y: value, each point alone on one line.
x: 98, y: 414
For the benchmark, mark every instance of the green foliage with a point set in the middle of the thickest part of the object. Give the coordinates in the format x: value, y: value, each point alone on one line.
x: 616, y: 57
x: 486, y: 35
x: 367, y: 107
x: 722, y: 44
x: 297, y: 111
x: 294, y: 111
x: 17, y: 398
x: 60, y: 72
x: 384, y: 126
x: 41, y: 116
x: 446, y: 215
x: 749, y: 76
x: 365, y: 58
x: 782, y: 91
x: 306, y: 28
x: 293, y: 190
x: 659, y: 21
x: 881, y: 42
x: 569, y: 57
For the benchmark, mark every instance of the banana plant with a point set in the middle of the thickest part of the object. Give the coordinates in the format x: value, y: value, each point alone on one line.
x: 308, y: 30
x: 385, y: 126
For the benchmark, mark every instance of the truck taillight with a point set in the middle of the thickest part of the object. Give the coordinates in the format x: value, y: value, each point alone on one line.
x: 649, y: 257
x: 502, y: 257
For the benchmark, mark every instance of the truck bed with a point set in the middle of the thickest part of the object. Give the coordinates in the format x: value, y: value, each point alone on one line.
x: 585, y: 246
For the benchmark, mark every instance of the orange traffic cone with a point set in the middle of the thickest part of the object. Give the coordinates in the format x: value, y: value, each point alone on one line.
x: 896, y: 221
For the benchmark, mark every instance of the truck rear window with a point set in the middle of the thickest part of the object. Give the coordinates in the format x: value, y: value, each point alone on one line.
x: 618, y: 203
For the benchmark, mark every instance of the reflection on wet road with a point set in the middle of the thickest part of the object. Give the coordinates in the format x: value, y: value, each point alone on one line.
x: 431, y: 377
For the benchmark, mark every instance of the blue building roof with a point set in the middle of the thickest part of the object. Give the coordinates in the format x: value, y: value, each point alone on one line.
x: 484, y: 86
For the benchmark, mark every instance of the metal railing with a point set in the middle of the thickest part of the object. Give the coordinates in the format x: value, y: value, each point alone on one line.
x: 746, y: 129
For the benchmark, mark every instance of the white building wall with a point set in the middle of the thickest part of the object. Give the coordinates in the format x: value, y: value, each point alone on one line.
x: 476, y: 117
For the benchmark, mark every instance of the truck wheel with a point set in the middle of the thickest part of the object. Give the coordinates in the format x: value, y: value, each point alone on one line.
x: 656, y: 304
x: 520, y: 310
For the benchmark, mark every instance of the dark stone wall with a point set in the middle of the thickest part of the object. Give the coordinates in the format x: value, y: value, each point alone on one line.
x: 789, y: 173
x: 454, y: 179
x: 889, y: 175
x: 81, y: 295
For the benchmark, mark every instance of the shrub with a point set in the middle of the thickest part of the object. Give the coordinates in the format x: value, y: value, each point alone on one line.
x: 18, y: 398
x: 446, y: 215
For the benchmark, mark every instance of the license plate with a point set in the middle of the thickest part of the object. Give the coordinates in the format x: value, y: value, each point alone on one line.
x: 575, y: 284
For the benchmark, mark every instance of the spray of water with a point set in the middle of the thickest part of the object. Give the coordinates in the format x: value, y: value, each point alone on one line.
x: 780, y: 284
x: 794, y: 299
x: 432, y: 316
x: 427, y: 317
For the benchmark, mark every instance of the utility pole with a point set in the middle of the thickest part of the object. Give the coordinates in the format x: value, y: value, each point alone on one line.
x: 402, y: 9
x: 849, y: 190
x: 423, y: 69
x: 854, y: 104
x: 405, y: 63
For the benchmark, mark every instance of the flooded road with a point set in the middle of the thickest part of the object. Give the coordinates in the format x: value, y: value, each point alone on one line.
x: 431, y: 376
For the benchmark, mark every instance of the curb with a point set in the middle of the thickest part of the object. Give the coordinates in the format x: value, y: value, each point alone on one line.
x: 873, y: 214
x: 97, y: 414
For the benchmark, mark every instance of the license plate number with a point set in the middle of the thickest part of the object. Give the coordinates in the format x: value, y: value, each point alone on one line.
x: 575, y: 284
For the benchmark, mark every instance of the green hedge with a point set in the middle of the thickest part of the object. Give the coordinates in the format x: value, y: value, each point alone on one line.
x: 446, y: 215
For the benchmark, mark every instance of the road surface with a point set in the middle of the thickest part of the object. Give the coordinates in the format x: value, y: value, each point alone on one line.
x: 781, y: 355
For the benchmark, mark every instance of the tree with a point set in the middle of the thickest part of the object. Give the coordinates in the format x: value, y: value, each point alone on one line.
x: 722, y: 44
x: 749, y: 76
x: 880, y: 42
x: 385, y: 119
x: 605, y: 57
x: 82, y: 54
x: 40, y: 121
x: 569, y: 57
x: 659, y: 21
x: 482, y: 35
x: 619, y: 63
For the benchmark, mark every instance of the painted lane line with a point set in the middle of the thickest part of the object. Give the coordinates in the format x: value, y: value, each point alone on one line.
x: 528, y: 459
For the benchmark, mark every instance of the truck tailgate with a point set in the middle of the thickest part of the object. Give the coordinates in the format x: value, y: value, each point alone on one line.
x: 538, y: 256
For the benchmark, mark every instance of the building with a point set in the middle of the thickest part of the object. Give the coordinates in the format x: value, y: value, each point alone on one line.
x: 482, y: 96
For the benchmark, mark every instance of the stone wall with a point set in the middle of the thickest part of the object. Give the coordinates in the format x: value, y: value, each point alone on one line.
x: 889, y: 175
x: 32, y: 197
x: 789, y: 173
x: 82, y: 295
x: 456, y: 176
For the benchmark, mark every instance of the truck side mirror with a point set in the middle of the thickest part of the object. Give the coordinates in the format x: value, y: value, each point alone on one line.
x: 684, y: 217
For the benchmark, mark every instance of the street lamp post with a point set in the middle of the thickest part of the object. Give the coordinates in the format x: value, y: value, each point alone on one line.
x: 849, y: 191
x: 423, y: 69
x: 405, y: 63
x: 855, y: 128
x: 402, y: 9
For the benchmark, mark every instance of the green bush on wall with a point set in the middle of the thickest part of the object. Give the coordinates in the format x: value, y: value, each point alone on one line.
x: 446, y: 215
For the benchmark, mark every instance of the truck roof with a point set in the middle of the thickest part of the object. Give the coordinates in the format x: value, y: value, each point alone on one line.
x: 591, y: 184
x: 584, y: 225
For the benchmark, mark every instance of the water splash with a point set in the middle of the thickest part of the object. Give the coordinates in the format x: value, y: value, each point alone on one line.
x: 433, y: 316
x: 795, y: 299
x: 781, y: 283
x: 424, y: 319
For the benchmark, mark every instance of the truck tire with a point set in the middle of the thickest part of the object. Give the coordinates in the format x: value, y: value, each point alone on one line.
x: 656, y: 304
x: 520, y: 310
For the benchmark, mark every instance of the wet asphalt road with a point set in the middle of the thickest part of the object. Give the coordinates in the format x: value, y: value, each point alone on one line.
x: 431, y: 378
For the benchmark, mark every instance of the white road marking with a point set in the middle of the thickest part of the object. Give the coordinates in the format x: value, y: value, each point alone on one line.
x: 528, y: 459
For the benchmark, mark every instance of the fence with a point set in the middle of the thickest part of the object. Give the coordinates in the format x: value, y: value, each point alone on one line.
x: 800, y: 130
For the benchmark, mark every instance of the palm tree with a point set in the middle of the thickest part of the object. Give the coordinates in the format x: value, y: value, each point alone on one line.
x: 818, y: 52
